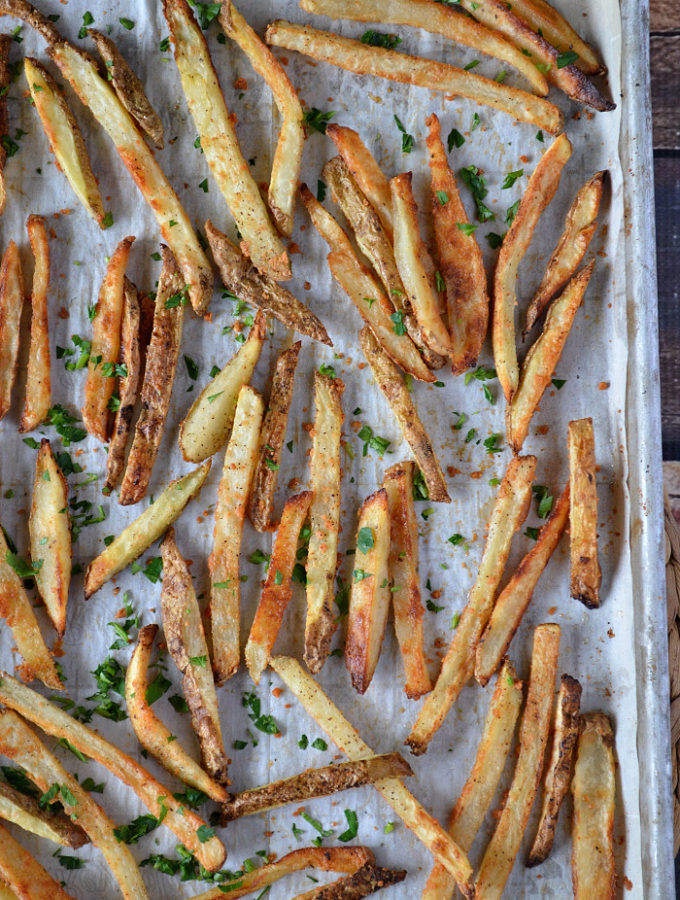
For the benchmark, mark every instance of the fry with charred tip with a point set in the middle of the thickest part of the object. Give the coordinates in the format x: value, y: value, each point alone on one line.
x: 11, y: 305
x: 586, y: 574
x: 22, y: 875
x: 367, y: 880
x: 38, y: 379
x: 27, y: 813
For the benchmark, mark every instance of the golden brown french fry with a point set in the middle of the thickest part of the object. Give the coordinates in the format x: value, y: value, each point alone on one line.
x: 460, y: 260
x: 240, y: 460
x: 585, y: 567
x: 405, y: 579
x: 24, y: 874
x: 11, y: 304
x: 515, y: 597
x: 27, y: 813
x: 540, y: 362
x: 278, y: 588
x: 579, y: 227
x: 593, y: 787
x: 558, y: 776
x: 162, y: 356
x: 541, y: 189
x: 326, y: 714
x: 322, y: 558
x: 5, y: 76
x: 503, y: 847
x: 367, y: 880
x: 148, y: 527
x: 6, y: 893
x: 510, y: 510
x: 104, y: 354
x: 272, y: 436
x: 21, y: 744
x: 38, y: 382
x: 128, y: 87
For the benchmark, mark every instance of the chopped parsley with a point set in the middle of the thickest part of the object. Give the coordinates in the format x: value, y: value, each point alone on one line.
x: 406, y: 138
x: 380, y: 39
x: 316, y: 120
x: 544, y: 500
x: 473, y: 178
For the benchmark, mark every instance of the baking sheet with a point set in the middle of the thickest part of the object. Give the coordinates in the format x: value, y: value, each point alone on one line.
x: 613, y: 331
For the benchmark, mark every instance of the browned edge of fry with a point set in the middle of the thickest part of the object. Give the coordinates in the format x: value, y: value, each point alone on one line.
x: 367, y: 880
x: 5, y: 74
x: 38, y: 380
x: 70, y: 832
x: 586, y: 574
x: 11, y: 305
x: 24, y: 875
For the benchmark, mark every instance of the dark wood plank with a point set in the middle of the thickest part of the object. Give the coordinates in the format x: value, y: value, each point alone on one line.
x: 664, y: 15
x: 665, y: 63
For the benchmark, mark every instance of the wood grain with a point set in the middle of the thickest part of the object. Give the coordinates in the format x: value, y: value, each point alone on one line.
x: 664, y: 15
x: 665, y: 63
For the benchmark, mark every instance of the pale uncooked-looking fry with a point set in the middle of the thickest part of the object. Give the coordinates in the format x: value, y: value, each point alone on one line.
x: 38, y: 380
x: 287, y: 160
x: 240, y: 460
x: 365, y: 60
x: 21, y: 744
x: 220, y: 145
x: 105, y: 351
x: 322, y: 558
x: 585, y: 567
x: 151, y: 733
x: 593, y: 787
x: 460, y: 259
x: 369, y: 601
x: 162, y: 356
x: 510, y: 510
x: 5, y: 75
x: 539, y: 364
x: 128, y: 87
x: 437, y: 19
x: 65, y: 137
x: 515, y: 597
x: 146, y: 528
x: 540, y: 190
x: 240, y: 276
x: 405, y: 579
x: 50, y: 536
x: 579, y: 227
x: 11, y: 304
x: 367, y: 880
x: 27, y: 813
x: 558, y: 775
x: 186, y: 642
x: 504, y: 845
x: 24, y: 874
x: 326, y: 714
x: 278, y: 588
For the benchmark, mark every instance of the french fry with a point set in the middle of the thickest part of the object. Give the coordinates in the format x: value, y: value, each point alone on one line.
x: 593, y: 788
x: 162, y: 356
x: 182, y: 821
x: 148, y: 527
x: 370, y: 591
x: 558, y: 776
x: 104, y: 354
x: 404, y: 578
x: 128, y: 87
x: 322, y: 558
x: 503, y: 847
x: 242, y: 278
x: 65, y: 137
x: 207, y: 425
x: 220, y: 144
x: 278, y: 588
x: 579, y: 228
x: 24, y: 874
x: 11, y: 304
x: 346, y: 737
x: 515, y: 597
x: 364, y: 291
x: 6, y: 893
x: 585, y: 567
x: 460, y: 260
x: 510, y: 510
x: 27, y: 813
x: 541, y: 189
x: 185, y: 639
x: 50, y: 536
x: 5, y: 76
x: 21, y: 744
x: 232, y: 499
x: 38, y: 382
x: 540, y: 362
x: 367, y: 880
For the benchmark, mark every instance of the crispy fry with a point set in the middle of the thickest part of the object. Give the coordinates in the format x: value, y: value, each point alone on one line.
x: 146, y: 528
x: 539, y: 364
x: 24, y: 874
x: 558, y: 776
x: 27, y: 813
x: 510, y: 510
x: 278, y: 588
x: 515, y: 597
x: 162, y: 356
x: 404, y: 578
x: 585, y: 567
x: 207, y: 425
x: 11, y: 304
x: 370, y: 591
x: 347, y: 739
x: 5, y: 76
x: 593, y: 787
x: 541, y: 189
x: 502, y: 849
x: 38, y: 382
x: 367, y: 880
x: 50, y: 534
x: 322, y: 558
x: 240, y: 460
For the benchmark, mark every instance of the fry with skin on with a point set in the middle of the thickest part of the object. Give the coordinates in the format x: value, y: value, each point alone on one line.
x: 11, y: 304
x: 38, y: 381
x: 5, y: 76
x: 24, y: 874
x: 585, y: 566
x: 510, y: 510
x: 367, y: 880
x: 26, y: 812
